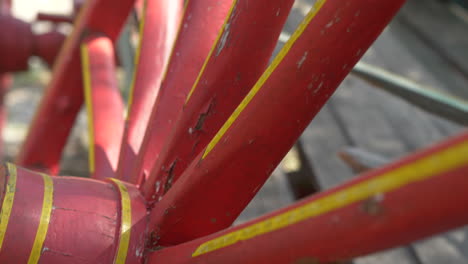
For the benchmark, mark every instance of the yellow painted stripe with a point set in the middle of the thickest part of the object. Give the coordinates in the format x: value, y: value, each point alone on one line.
x: 7, y: 202
x: 271, y: 68
x: 136, y: 61
x: 175, y: 41
x: 125, y: 223
x: 89, y: 104
x: 44, y: 221
x: 422, y: 169
x: 213, y: 47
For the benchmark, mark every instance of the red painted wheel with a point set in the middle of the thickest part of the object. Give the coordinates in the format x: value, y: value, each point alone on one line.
x: 208, y: 120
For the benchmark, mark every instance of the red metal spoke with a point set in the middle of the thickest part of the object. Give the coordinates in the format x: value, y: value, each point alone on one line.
x: 158, y: 30
x: 104, y: 106
x: 237, y: 59
x: 368, y: 214
x: 64, y: 94
x: 221, y: 181
x: 196, y: 35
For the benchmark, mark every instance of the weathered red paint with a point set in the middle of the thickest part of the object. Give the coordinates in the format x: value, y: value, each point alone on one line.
x: 375, y: 223
x: 193, y: 43
x: 106, y: 105
x: 160, y: 23
x: 18, y: 43
x: 237, y: 59
x: 84, y: 221
x: 266, y: 125
x: 64, y: 94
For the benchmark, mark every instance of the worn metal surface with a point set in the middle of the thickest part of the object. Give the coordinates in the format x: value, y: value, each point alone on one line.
x: 68, y: 220
x: 194, y: 41
x: 225, y: 168
x: 236, y: 60
x: 370, y: 213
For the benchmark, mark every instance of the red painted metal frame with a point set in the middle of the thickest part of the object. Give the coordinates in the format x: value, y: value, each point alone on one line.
x: 421, y: 193
x: 194, y: 41
x: 104, y: 105
x: 18, y: 43
x: 67, y: 220
x: 64, y: 95
x: 159, y: 26
x: 236, y: 163
x: 236, y: 60
x: 221, y: 154
x: 5, y: 84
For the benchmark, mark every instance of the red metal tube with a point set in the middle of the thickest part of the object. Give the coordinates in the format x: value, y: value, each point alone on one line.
x: 47, y: 46
x: 159, y: 26
x: 244, y: 152
x: 68, y: 220
x: 104, y: 106
x: 194, y: 41
x: 5, y: 84
x: 54, y: 18
x: 236, y: 60
x: 64, y: 95
x: 403, y: 202
x: 16, y: 44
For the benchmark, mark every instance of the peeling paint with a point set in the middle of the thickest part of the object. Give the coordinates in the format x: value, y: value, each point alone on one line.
x: 157, y: 186
x: 372, y: 206
x: 226, y: 31
x: 223, y: 39
x: 202, y: 117
x: 170, y: 177
x: 318, y: 87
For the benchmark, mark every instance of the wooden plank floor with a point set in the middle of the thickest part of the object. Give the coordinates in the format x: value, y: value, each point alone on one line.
x: 427, y: 43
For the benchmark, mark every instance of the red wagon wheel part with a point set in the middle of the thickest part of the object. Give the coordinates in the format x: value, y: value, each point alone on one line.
x: 208, y: 122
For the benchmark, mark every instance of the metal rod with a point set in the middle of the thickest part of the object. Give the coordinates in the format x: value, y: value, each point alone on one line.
x: 426, y: 98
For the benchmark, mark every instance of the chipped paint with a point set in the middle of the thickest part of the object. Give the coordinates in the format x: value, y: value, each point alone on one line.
x: 302, y: 60
x: 318, y: 87
x: 226, y: 31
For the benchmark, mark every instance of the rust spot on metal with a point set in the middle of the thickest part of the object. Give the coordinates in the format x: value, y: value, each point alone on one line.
x: 203, y: 116
x: 170, y: 177
x: 372, y: 205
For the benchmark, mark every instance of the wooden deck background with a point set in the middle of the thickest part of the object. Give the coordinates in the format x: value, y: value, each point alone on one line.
x: 426, y: 42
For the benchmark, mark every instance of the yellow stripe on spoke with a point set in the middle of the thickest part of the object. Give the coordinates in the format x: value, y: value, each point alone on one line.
x: 7, y: 201
x: 125, y: 223
x: 271, y: 68
x: 136, y: 60
x: 89, y: 104
x: 44, y: 221
x: 213, y: 47
x: 420, y: 170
